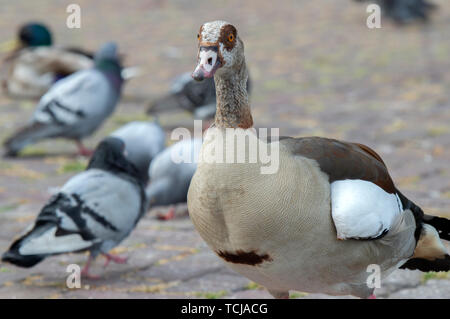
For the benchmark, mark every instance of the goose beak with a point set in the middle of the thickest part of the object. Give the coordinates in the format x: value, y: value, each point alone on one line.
x: 207, y: 64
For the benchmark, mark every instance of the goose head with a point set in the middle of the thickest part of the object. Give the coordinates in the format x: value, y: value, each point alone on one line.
x: 220, y: 50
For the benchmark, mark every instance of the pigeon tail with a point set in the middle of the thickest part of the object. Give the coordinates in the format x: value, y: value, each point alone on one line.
x: 13, y: 255
x: 25, y: 136
x: 42, y: 241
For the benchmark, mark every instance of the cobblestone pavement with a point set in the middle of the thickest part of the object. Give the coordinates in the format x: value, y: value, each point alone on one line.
x: 317, y: 70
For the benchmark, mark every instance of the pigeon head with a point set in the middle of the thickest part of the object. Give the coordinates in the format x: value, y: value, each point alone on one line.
x: 110, y: 155
x: 219, y: 50
x: 107, y: 60
x: 108, y: 53
x: 34, y: 34
x: 110, y: 148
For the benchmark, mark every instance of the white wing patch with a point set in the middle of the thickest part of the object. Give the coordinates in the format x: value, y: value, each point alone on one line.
x: 49, y: 243
x: 361, y: 209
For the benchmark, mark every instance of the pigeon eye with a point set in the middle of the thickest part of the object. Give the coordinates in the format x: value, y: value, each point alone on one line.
x: 198, y: 36
x: 231, y: 37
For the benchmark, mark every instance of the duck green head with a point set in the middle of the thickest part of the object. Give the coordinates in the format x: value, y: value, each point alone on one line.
x: 35, y: 34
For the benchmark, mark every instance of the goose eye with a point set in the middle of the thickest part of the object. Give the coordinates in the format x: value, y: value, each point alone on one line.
x: 231, y: 37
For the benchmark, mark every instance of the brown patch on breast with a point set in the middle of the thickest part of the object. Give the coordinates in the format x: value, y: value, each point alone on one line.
x: 224, y: 33
x: 246, y: 258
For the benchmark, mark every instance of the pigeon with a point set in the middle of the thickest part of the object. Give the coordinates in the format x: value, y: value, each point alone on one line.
x: 143, y: 141
x: 405, y: 11
x: 75, y: 106
x: 35, y: 64
x: 196, y: 97
x: 170, y: 174
x: 94, y: 211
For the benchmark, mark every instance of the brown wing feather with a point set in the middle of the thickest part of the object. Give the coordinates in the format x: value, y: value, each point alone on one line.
x: 370, y: 151
x: 342, y: 160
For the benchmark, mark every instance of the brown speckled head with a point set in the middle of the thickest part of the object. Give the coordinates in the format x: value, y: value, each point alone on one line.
x: 221, y: 55
x: 219, y: 47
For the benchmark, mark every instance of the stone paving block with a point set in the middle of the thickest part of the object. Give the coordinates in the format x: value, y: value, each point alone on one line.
x: 217, y: 284
x: 433, y: 289
x: 399, y: 279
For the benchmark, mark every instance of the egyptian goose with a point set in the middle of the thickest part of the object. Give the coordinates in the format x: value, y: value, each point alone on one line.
x: 199, y: 98
x: 315, y: 223
x: 75, y: 106
x: 35, y: 64
x: 94, y: 211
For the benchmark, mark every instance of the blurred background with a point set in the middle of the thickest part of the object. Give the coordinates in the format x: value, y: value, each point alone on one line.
x: 317, y: 69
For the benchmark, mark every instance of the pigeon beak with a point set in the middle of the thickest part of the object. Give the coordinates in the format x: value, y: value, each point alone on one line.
x: 207, y: 64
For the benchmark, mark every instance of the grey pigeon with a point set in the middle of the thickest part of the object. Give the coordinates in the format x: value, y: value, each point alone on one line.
x: 170, y: 174
x: 143, y: 141
x: 404, y: 11
x: 94, y: 211
x: 75, y: 106
x: 196, y: 97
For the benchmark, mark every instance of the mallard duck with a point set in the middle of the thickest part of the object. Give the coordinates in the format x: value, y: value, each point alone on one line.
x: 94, y: 211
x: 316, y: 221
x: 35, y: 64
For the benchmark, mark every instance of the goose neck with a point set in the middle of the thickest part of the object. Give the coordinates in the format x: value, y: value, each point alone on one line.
x: 233, y: 107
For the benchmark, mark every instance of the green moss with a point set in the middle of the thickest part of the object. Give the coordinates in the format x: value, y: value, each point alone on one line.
x: 8, y: 207
x: 73, y: 166
x: 296, y: 295
x: 34, y: 151
x: 435, y: 275
x: 124, y: 119
x: 437, y: 131
x: 212, y: 295
x: 252, y: 286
